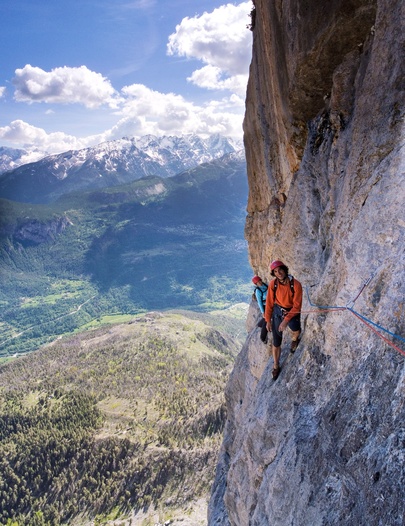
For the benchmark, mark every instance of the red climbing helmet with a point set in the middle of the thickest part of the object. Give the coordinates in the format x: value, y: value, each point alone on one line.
x: 256, y: 279
x: 276, y: 263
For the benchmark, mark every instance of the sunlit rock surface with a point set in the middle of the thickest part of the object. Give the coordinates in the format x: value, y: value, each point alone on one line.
x: 325, y: 443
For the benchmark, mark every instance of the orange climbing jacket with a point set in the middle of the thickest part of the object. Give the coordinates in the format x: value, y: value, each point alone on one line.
x: 287, y: 295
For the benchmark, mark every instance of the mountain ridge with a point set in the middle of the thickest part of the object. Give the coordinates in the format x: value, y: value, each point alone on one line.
x: 109, y: 164
x: 11, y: 158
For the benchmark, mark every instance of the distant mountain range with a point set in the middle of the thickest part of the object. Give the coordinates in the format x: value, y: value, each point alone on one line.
x: 108, y: 164
x: 12, y: 158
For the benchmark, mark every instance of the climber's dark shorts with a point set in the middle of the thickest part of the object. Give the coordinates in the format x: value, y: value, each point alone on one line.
x: 278, y: 315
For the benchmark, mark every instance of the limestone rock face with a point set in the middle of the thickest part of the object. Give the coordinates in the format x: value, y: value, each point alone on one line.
x: 324, y: 134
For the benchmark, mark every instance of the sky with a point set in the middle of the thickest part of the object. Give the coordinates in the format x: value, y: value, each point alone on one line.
x: 75, y: 73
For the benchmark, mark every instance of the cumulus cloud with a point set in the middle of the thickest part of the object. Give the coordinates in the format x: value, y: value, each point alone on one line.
x: 2, y: 91
x: 143, y: 111
x: 163, y: 113
x: 220, y: 40
x: 64, y: 86
x: 21, y: 133
x: 211, y: 77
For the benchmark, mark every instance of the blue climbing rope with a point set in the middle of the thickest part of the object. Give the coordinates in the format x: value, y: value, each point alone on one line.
x: 362, y: 318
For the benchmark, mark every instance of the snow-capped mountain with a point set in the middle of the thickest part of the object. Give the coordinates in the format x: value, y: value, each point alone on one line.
x: 11, y: 158
x: 109, y: 164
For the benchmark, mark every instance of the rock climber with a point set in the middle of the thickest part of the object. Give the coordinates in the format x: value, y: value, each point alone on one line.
x: 283, y: 308
x: 261, y: 294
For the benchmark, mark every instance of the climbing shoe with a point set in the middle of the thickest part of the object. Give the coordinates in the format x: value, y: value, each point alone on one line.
x: 275, y: 372
x: 294, y: 345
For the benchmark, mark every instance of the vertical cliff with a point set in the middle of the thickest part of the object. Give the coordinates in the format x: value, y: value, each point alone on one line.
x: 324, y: 140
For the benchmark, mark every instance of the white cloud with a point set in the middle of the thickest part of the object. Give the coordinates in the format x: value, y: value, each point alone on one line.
x: 211, y: 77
x: 64, y: 86
x: 25, y: 135
x: 2, y: 91
x: 219, y: 39
x: 163, y: 113
x: 143, y: 111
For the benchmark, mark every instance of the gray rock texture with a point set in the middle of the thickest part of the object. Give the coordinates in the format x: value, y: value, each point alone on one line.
x: 324, y: 138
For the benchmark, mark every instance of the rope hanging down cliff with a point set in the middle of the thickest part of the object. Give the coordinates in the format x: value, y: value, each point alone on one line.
x: 363, y: 319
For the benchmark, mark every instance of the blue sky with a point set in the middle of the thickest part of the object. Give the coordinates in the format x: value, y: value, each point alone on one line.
x: 77, y: 72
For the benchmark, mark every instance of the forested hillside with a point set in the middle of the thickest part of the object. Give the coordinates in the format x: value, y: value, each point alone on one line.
x: 94, y: 257
x: 116, y: 421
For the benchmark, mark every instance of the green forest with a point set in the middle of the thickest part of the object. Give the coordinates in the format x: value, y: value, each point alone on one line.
x: 114, y: 420
x: 154, y: 244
